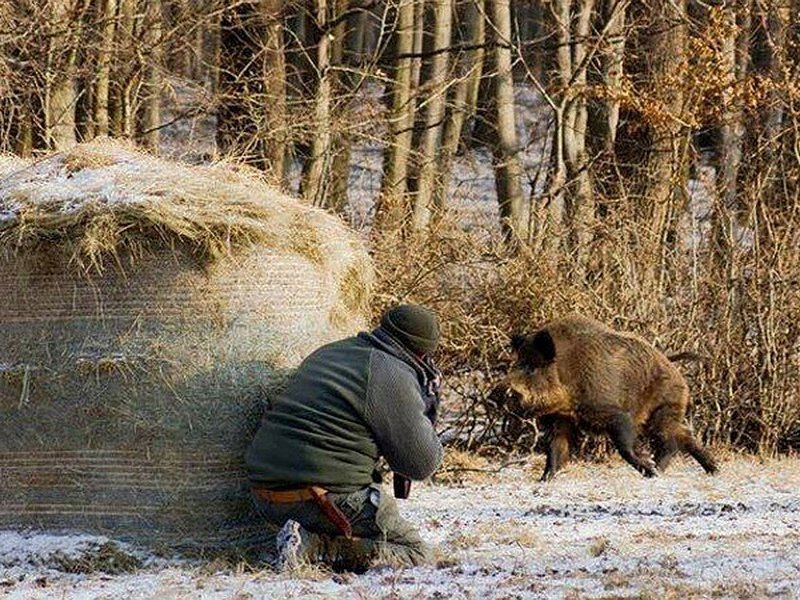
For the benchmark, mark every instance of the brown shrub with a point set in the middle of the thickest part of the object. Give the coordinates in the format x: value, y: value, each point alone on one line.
x: 744, y: 395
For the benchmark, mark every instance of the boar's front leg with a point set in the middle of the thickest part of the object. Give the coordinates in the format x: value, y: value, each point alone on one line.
x: 622, y: 431
x: 558, y: 438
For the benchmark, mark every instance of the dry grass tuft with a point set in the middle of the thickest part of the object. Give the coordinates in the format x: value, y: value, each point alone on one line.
x: 351, y: 287
x: 598, y: 547
x: 462, y: 540
x: 305, y: 239
x: 91, y: 157
x: 510, y: 533
x: 459, y: 467
x: 10, y: 163
x: 308, y: 571
x: 106, y: 558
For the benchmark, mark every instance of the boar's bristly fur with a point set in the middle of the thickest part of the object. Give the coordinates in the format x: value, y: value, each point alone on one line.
x: 577, y: 374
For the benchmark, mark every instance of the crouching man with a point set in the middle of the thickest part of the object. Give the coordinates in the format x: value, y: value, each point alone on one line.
x: 312, y: 463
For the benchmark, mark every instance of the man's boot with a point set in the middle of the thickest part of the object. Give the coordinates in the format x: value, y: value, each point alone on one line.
x: 296, y: 546
x: 292, y: 545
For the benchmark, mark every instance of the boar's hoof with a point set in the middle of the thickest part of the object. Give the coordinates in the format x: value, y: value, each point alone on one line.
x: 647, y: 468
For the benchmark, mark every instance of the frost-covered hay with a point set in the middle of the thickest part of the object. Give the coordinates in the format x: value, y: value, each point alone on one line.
x: 147, y: 310
x: 10, y: 163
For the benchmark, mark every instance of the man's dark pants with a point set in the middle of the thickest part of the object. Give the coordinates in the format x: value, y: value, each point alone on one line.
x: 380, y: 535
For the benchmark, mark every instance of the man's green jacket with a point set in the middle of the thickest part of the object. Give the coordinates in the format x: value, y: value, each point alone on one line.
x: 349, y: 403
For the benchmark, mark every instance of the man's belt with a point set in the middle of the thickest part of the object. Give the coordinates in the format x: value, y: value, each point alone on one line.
x: 315, y: 493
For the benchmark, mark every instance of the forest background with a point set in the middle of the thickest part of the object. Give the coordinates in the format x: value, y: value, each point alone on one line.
x: 506, y: 161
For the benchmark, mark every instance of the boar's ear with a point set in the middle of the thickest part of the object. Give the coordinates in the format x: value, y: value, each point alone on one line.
x: 517, y: 340
x: 544, y: 347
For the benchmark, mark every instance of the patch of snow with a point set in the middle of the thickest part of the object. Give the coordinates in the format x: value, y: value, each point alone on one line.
x: 8, y: 212
x: 27, y: 553
x: 597, y: 530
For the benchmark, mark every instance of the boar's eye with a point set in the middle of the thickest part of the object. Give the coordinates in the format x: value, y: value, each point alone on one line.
x: 516, y: 341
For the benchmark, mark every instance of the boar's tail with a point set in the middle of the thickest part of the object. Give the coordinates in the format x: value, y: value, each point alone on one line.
x: 688, y: 356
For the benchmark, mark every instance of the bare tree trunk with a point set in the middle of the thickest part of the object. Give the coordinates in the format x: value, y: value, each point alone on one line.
x: 150, y: 112
x: 334, y: 162
x: 342, y: 151
x: 298, y: 42
x: 550, y: 225
x: 419, y: 42
x: 356, y: 37
x: 198, y: 43
x: 580, y: 198
x: 735, y: 57
x: 735, y: 48
x: 391, y: 208
x: 89, y: 71
x: 434, y: 115
x: 505, y: 155
x: 60, y: 95
x: 479, y: 30
x: 557, y: 17
x: 464, y: 96
x: 666, y: 159
x: 606, y: 74
x: 21, y: 123
x: 777, y: 19
x: 527, y: 19
x: 106, y: 18
x: 186, y: 23
x: 274, y: 143
x: 212, y: 54
x: 482, y: 95
x: 317, y: 168
x: 612, y: 55
x: 569, y: 192
x: 124, y: 76
x: 346, y: 51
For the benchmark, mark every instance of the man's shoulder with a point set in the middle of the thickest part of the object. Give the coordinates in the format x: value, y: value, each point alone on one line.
x: 382, y: 365
x: 349, y: 357
x: 348, y: 344
x: 386, y: 365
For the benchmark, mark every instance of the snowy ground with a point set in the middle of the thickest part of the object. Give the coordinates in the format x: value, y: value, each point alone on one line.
x: 596, y: 531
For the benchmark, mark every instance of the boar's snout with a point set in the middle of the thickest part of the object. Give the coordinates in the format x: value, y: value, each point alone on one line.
x: 517, y: 380
x: 539, y: 389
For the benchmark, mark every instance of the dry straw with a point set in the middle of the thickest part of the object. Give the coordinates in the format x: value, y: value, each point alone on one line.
x: 148, y: 310
x: 104, y: 197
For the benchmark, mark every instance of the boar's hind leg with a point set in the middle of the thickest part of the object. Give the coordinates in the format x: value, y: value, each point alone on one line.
x: 662, y: 428
x: 689, y: 444
x: 668, y: 435
x: 622, y: 431
x: 558, y: 438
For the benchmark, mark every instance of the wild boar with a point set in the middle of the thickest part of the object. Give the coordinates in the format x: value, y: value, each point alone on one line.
x: 577, y: 374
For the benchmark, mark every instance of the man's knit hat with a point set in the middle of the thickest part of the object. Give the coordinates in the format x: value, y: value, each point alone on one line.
x: 414, y: 326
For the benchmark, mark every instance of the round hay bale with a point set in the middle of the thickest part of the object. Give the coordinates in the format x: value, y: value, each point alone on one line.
x: 147, y: 311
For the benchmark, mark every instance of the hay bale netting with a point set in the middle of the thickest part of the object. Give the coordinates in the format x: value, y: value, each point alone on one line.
x: 147, y: 309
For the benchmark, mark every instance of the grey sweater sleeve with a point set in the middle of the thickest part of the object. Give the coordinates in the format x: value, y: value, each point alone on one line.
x: 394, y: 411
